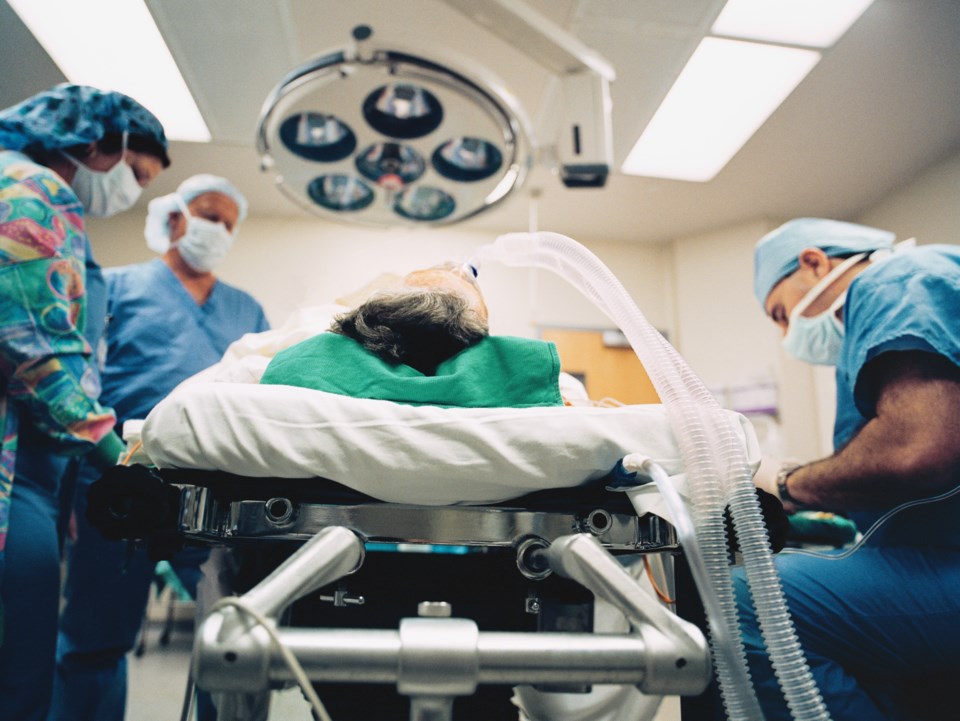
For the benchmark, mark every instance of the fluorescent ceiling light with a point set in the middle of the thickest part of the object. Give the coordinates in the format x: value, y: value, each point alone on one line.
x: 727, y: 90
x: 814, y: 23
x: 115, y: 45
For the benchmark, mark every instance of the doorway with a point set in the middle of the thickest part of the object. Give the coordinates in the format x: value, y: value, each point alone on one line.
x: 604, y: 363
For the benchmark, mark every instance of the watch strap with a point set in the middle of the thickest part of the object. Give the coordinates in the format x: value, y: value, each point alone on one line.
x: 782, y: 475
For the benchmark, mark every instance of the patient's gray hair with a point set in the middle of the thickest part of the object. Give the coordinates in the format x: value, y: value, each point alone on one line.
x: 420, y: 327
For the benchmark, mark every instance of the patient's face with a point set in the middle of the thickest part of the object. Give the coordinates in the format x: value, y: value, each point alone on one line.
x: 450, y: 278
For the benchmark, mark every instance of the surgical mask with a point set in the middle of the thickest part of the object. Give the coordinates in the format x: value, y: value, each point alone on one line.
x: 205, y: 244
x: 818, y: 339
x: 106, y: 192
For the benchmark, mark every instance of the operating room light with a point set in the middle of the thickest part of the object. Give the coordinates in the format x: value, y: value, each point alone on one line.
x: 115, y: 45
x: 812, y: 23
x: 425, y: 203
x: 727, y: 90
x: 340, y: 192
x: 401, y: 163
x: 467, y: 159
x: 317, y: 137
x: 380, y: 137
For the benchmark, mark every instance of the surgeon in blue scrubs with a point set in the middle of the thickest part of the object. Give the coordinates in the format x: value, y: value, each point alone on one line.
x: 168, y: 319
x: 875, y: 625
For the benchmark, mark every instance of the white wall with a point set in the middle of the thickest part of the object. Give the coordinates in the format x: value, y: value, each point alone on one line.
x: 293, y: 263
x: 724, y: 336
x: 927, y: 208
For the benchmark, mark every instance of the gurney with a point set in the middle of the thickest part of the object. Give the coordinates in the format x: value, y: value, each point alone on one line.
x: 530, y: 493
x: 435, y: 652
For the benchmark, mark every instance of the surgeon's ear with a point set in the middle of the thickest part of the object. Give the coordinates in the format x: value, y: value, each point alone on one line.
x: 815, y: 261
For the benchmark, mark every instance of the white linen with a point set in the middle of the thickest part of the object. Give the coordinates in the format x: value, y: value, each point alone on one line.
x: 400, y: 453
x: 247, y: 358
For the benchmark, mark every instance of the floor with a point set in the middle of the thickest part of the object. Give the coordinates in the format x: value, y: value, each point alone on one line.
x: 158, y: 681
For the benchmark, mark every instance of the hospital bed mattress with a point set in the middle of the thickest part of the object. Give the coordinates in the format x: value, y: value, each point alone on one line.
x: 420, y: 455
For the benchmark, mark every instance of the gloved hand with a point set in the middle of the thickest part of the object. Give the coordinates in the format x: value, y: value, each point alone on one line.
x: 774, y: 517
x: 130, y: 502
x: 766, y: 477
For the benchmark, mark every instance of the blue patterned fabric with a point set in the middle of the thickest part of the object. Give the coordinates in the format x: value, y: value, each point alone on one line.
x: 69, y: 115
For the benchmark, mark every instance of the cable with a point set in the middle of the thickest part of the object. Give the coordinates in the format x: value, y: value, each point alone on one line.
x: 187, y: 700
x: 870, y: 531
x: 653, y: 581
x: 136, y: 447
x: 289, y: 658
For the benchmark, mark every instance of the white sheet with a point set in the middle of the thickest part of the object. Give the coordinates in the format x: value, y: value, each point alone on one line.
x: 405, y: 454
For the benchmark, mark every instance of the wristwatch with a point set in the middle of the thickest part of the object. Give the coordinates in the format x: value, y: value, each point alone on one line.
x: 782, y: 475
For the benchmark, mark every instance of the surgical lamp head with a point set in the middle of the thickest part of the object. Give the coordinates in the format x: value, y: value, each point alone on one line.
x: 776, y: 254
x: 387, y: 138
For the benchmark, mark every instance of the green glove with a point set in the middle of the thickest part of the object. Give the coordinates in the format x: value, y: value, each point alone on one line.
x: 107, y: 452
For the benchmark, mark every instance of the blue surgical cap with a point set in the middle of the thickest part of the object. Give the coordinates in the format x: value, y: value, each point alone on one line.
x: 777, y: 253
x: 204, y: 183
x: 69, y: 115
x: 157, y: 232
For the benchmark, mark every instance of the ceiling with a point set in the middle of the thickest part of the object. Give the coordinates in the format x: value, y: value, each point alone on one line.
x: 881, y: 106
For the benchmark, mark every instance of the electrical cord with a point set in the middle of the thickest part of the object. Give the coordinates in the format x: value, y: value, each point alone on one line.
x: 126, y: 458
x: 316, y: 705
x: 870, y: 531
x: 653, y: 581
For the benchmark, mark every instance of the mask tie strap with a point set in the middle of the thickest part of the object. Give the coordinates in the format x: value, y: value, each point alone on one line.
x: 824, y: 282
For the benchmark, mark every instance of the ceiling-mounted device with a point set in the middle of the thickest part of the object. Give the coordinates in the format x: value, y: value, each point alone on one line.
x: 383, y: 137
x: 584, y: 145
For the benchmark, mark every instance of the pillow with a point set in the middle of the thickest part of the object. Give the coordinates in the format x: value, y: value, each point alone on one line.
x: 421, y: 455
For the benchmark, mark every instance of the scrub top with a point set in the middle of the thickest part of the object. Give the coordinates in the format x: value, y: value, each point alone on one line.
x: 157, y: 335
x: 46, y: 373
x: 39, y: 459
x: 909, y: 301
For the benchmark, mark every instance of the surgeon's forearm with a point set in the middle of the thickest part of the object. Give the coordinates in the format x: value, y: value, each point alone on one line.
x: 910, y: 449
x: 868, y: 473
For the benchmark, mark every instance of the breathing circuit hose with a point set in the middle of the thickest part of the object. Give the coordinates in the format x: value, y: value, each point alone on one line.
x: 718, y: 475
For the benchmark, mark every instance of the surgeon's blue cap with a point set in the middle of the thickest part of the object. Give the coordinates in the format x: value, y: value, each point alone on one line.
x: 197, y: 185
x: 776, y: 254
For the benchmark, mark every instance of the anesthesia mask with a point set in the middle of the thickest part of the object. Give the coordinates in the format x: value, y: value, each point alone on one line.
x: 205, y: 244
x: 106, y: 192
x: 818, y: 339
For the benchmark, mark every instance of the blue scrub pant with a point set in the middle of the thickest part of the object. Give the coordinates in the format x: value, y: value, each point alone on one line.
x: 872, y: 627
x: 30, y: 591
x: 105, y: 596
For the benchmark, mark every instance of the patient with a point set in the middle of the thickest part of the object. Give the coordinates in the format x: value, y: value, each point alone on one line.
x: 437, y: 313
x: 424, y: 342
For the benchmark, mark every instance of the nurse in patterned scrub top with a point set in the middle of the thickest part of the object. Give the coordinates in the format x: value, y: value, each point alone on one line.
x: 66, y: 152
